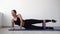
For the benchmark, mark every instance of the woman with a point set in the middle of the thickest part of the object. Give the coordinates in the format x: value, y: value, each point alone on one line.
x: 17, y: 20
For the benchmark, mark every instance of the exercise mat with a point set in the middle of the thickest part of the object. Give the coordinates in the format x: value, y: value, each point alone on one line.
x: 41, y: 29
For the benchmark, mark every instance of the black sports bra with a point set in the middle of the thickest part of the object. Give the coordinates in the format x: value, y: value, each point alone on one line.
x: 17, y: 22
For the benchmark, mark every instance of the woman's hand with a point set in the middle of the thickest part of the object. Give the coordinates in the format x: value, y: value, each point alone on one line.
x: 20, y: 28
x: 12, y: 29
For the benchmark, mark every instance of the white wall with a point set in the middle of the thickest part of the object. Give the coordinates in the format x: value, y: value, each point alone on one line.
x: 37, y: 9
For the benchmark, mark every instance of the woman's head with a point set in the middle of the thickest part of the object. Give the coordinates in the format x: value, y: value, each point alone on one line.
x: 13, y: 12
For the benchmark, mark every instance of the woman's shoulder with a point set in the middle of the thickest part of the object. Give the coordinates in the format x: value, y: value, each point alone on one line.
x: 19, y: 15
x: 12, y: 19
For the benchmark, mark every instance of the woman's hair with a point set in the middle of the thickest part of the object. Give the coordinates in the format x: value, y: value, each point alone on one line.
x: 14, y: 11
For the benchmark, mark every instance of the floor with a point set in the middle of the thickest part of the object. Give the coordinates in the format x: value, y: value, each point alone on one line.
x: 5, y: 31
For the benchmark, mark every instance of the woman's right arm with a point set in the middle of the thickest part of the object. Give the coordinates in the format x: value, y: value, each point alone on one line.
x: 12, y: 24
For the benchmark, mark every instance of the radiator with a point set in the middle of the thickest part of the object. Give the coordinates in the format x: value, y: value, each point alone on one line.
x: 0, y: 20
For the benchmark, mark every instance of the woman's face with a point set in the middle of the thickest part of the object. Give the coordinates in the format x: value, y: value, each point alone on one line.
x: 13, y: 13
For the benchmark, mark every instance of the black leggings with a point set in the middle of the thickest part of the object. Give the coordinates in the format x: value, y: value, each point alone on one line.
x: 28, y: 23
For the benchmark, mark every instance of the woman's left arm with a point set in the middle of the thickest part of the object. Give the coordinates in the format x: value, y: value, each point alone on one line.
x: 21, y: 23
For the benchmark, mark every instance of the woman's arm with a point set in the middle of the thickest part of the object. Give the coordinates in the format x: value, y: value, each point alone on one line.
x: 12, y: 24
x: 22, y: 23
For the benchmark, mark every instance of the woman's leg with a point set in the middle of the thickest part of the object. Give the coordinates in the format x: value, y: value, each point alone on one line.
x: 29, y: 22
x: 33, y: 21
